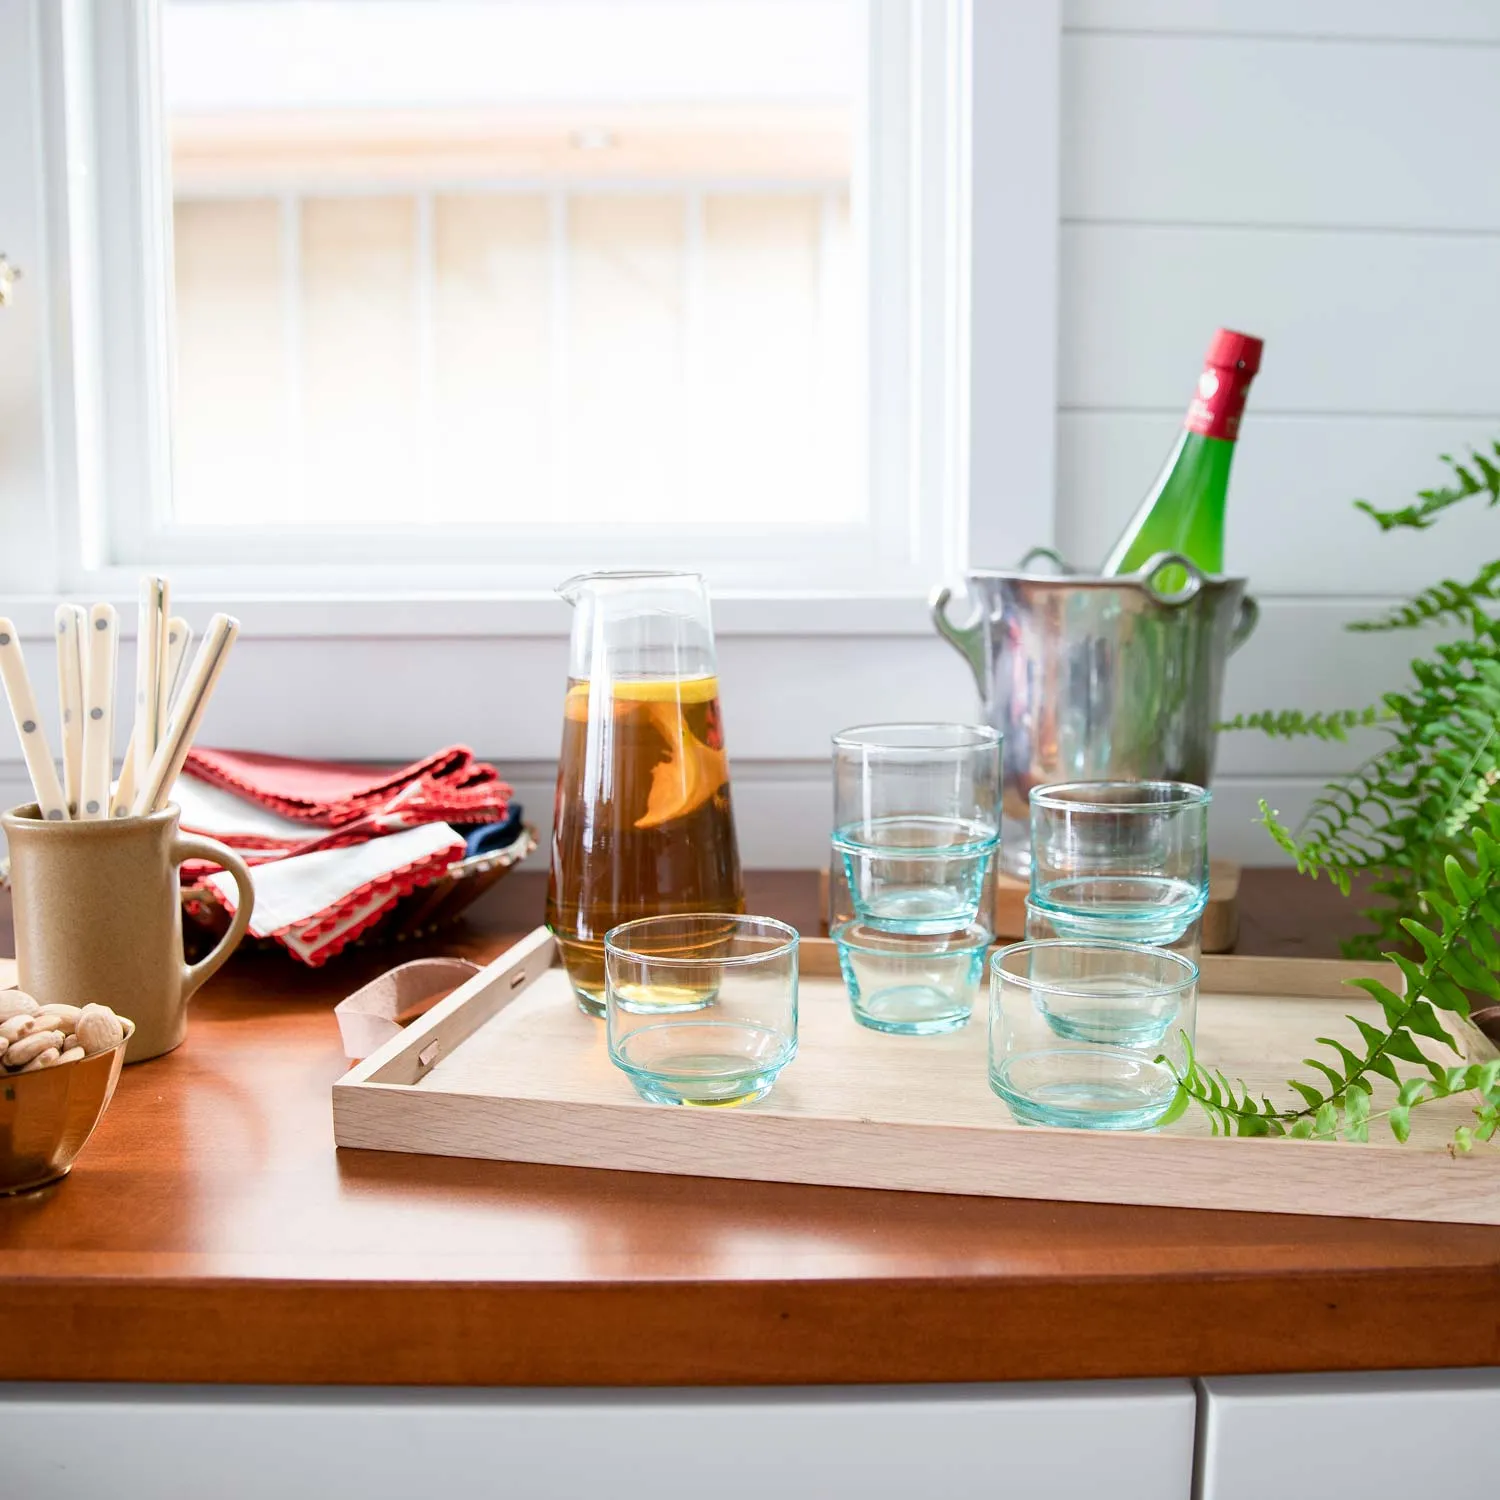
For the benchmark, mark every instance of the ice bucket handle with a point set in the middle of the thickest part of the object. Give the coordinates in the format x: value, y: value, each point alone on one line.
x: 1244, y: 623
x: 1245, y: 620
x: 1152, y: 570
x: 968, y: 639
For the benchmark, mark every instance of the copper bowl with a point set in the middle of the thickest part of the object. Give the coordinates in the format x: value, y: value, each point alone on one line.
x: 46, y: 1117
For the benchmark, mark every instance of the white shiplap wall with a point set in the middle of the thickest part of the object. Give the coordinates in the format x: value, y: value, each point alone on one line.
x: 1319, y: 172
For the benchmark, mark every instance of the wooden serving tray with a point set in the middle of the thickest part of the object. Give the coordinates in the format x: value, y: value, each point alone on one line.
x: 506, y: 1067
x: 1221, y: 917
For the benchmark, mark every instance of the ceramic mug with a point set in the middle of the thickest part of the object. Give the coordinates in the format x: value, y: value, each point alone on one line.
x: 98, y: 916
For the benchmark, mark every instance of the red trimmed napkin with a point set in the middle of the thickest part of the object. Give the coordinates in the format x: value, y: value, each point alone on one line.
x: 449, y: 787
x: 333, y: 847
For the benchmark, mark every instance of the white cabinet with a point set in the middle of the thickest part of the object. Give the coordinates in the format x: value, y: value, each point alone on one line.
x: 1130, y: 1440
x: 1412, y: 1432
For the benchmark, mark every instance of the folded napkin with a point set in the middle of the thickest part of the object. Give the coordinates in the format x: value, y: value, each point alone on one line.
x: 449, y: 787
x: 315, y: 904
x: 332, y: 847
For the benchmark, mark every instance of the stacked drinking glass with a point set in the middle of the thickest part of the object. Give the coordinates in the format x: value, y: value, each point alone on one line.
x: 1092, y: 1017
x: 916, y: 838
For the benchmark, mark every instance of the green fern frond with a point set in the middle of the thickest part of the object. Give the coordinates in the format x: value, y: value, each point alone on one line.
x: 1402, y: 812
x: 1445, y: 601
x: 1480, y: 476
x: 1292, y: 723
x: 1456, y: 958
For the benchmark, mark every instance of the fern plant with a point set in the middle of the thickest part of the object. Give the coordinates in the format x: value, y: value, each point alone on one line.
x: 1460, y: 956
x: 1405, y: 813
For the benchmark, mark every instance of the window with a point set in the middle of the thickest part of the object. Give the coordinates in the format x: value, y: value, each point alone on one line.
x: 467, y: 263
x: 469, y: 293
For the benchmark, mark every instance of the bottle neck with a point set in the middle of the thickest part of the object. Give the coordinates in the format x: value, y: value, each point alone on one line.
x: 1219, y: 402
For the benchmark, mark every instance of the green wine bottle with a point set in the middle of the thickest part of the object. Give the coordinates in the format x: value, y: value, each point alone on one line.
x: 1184, y: 510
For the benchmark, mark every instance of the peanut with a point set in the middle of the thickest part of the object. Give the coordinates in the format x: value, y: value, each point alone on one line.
x: 17, y: 1027
x: 41, y: 1060
x: 98, y: 1029
x: 4, y: 1044
x: 71, y: 1054
x: 20, y: 1053
x: 70, y: 1041
x: 16, y: 1003
x: 65, y: 1017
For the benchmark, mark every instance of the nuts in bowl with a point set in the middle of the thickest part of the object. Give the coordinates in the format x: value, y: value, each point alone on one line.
x: 58, y: 1068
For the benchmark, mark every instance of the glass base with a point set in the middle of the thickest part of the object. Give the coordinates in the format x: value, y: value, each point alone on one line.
x: 589, y: 1003
x: 713, y: 1064
x: 928, y: 912
x: 703, y: 1094
x: 1084, y: 1091
x: 910, y: 1010
x: 1148, y: 909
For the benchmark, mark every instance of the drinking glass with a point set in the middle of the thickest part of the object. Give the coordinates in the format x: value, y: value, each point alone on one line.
x: 701, y: 1009
x: 1083, y: 1033
x: 911, y: 984
x: 1120, y: 859
x: 917, y: 822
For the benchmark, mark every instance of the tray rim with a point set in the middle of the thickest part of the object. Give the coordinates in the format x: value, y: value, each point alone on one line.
x: 1392, y: 1181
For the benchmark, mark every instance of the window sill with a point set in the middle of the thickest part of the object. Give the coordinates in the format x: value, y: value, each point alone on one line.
x: 498, y: 615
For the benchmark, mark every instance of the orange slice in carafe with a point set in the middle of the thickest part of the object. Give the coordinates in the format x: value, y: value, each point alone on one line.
x: 692, y: 771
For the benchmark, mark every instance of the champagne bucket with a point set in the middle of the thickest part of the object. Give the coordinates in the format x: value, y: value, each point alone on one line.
x: 1098, y: 679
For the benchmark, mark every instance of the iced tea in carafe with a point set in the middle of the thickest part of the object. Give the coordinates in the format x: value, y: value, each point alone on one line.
x: 643, y: 823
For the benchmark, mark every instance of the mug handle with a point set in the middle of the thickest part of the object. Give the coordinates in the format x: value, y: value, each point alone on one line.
x: 184, y: 847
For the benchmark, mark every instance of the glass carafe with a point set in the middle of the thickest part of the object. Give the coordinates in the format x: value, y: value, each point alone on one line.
x: 643, y: 824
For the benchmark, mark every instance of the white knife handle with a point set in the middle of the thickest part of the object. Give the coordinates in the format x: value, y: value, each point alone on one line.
x: 72, y: 621
x: 204, y: 674
x: 179, y: 639
x: 99, y: 652
x: 162, y: 689
x: 17, y: 681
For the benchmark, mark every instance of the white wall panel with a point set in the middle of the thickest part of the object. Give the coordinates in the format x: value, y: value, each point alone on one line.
x: 783, y: 811
x: 503, y: 698
x: 1322, y: 20
x: 1236, y: 130
x: 1373, y: 323
x: 1292, y: 526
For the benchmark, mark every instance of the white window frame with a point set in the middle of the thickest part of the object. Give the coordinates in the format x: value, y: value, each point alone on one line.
x: 968, y: 477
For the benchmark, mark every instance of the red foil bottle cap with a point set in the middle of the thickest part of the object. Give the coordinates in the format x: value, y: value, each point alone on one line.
x: 1229, y: 350
x: 1230, y: 366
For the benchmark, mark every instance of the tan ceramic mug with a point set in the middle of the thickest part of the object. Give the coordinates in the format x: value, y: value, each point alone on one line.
x: 98, y: 914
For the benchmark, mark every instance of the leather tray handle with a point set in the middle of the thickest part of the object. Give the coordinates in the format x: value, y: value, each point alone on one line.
x: 373, y: 1014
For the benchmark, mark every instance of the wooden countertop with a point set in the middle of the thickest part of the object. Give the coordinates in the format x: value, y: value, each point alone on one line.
x: 212, y: 1233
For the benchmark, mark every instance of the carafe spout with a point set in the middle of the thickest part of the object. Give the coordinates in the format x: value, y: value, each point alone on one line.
x: 622, y: 580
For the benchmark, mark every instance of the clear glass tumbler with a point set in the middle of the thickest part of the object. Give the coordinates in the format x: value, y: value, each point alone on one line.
x: 917, y: 822
x: 701, y: 1009
x: 1120, y: 859
x: 911, y: 984
x: 1087, y: 1034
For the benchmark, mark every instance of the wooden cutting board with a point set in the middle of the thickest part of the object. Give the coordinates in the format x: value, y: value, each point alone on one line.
x: 1221, y: 917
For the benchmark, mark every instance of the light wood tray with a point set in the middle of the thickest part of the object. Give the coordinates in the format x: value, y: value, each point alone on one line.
x: 507, y: 1067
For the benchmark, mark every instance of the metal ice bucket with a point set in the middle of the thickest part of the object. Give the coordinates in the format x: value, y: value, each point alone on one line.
x: 1098, y: 679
